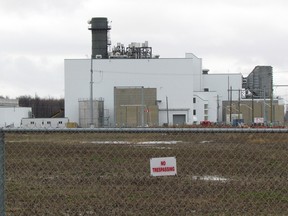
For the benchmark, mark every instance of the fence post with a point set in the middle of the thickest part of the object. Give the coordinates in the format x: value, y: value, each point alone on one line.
x: 2, y: 174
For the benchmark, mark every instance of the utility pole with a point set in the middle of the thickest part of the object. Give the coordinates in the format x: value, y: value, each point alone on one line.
x: 142, y: 106
x: 91, y: 94
x: 218, y: 106
x: 264, y: 106
x: 252, y: 120
x: 167, y: 111
x: 253, y: 98
x: 230, y: 96
x: 271, y: 102
x: 239, y: 91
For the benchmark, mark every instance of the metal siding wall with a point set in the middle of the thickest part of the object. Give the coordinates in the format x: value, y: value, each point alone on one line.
x: 128, y: 106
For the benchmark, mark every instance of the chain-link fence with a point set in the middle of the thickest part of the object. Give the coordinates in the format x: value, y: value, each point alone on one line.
x: 109, y: 172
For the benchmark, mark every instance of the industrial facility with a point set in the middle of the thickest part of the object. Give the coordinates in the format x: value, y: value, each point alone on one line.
x: 255, y: 103
x: 136, y: 88
x: 130, y: 87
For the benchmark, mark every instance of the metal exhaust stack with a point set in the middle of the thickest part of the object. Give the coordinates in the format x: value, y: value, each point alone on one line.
x: 100, y: 37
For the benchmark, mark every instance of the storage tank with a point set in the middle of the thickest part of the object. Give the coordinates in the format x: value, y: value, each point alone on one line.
x: 100, y: 37
x: 85, y: 113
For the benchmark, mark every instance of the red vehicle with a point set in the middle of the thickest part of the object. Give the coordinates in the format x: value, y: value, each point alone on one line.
x: 205, y: 123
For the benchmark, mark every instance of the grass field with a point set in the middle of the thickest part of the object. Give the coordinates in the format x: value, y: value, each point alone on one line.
x: 109, y: 173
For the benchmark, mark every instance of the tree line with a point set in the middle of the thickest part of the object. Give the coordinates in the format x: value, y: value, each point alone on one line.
x: 43, y: 107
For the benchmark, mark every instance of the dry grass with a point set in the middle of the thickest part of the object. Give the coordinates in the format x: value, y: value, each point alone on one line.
x: 109, y: 174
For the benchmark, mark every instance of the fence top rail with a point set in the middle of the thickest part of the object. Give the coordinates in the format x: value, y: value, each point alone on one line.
x: 148, y: 130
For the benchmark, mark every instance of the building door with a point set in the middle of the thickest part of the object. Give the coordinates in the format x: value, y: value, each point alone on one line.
x: 179, y: 119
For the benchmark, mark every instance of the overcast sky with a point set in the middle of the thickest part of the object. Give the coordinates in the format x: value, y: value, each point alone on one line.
x: 231, y: 36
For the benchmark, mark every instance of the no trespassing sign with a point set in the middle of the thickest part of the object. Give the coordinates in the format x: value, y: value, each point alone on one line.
x: 165, y: 166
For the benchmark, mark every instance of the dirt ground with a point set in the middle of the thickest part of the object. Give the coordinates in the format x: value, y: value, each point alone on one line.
x: 97, y: 173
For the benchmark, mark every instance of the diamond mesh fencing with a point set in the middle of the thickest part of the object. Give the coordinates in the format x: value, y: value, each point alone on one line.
x: 108, y: 172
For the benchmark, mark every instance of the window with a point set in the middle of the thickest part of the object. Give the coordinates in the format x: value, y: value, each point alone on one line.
x: 206, y: 89
x: 206, y: 112
x: 60, y: 122
x: 194, y: 112
x: 194, y: 100
x: 48, y: 122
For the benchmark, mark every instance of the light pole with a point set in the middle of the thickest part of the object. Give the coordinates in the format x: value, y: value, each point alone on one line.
x: 167, y: 110
x: 91, y: 94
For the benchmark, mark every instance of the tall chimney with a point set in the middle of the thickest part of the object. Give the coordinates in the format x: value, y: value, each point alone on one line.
x: 100, y: 39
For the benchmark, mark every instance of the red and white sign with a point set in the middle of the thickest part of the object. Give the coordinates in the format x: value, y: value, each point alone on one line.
x: 258, y: 120
x: 165, y: 166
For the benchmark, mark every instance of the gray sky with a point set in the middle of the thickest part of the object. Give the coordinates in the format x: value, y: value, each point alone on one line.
x: 229, y: 36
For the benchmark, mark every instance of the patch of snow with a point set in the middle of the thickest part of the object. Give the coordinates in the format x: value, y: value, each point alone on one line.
x: 210, y: 178
x: 158, y: 142
x: 206, y: 141
x: 130, y: 143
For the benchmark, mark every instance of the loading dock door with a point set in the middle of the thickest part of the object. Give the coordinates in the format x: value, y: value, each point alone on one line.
x: 179, y: 119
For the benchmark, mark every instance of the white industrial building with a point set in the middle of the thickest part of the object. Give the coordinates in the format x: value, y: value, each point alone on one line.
x: 184, y: 92
x: 11, y: 114
x: 215, y: 87
x: 129, y: 86
x: 35, y: 123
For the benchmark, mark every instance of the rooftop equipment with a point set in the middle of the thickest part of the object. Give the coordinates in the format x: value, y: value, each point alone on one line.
x: 133, y: 51
x: 101, y: 42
